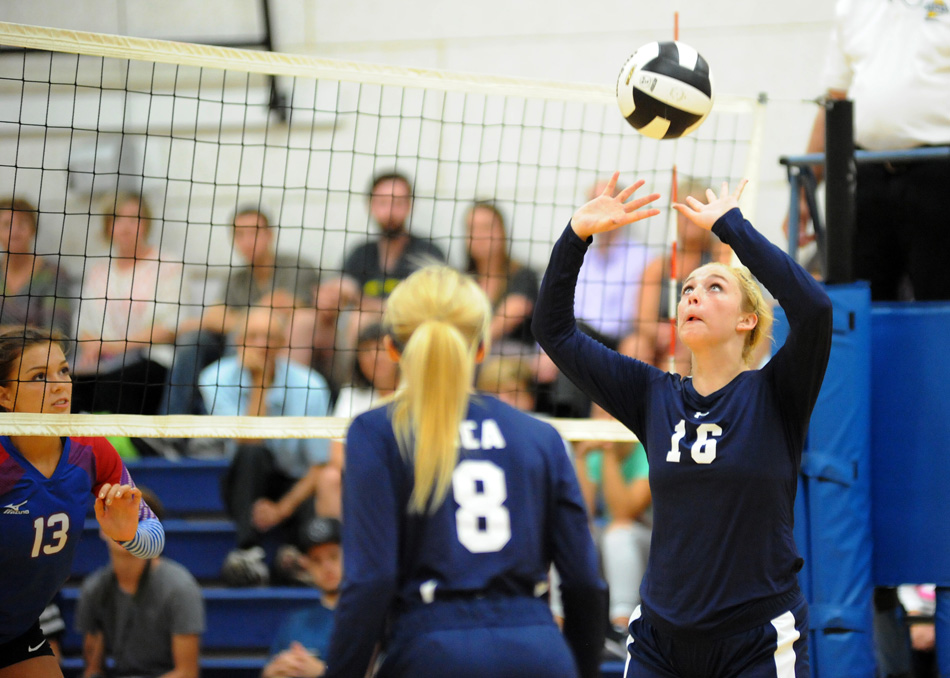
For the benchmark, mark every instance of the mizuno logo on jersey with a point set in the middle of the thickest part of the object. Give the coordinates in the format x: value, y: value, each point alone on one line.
x: 700, y: 415
x: 14, y: 509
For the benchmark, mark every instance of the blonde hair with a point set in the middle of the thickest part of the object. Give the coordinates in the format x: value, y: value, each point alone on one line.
x: 753, y: 302
x: 437, y: 318
x: 504, y: 373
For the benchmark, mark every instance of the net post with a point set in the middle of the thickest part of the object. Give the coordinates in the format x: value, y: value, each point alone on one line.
x: 839, y: 189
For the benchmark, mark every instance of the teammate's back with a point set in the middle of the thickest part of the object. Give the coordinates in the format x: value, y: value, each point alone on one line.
x: 454, y: 507
x: 512, y: 488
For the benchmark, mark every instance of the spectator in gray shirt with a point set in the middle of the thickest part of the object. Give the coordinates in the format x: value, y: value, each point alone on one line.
x: 269, y: 279
x: 147, y: 615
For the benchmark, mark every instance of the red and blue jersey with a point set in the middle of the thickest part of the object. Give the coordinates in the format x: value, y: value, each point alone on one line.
x: 41, y: 521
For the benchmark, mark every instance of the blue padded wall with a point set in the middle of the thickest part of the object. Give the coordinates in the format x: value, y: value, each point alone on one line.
x: 910, y: 451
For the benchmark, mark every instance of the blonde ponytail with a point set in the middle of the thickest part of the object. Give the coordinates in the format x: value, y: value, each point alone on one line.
x: 438, y: 318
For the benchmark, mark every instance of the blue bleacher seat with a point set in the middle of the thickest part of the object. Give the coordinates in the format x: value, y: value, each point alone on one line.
x: 199, y: 545
x: 188, y: 486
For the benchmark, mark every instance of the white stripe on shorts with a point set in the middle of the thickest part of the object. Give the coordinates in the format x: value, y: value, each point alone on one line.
x: 635, y: 615
x: 786, y: 635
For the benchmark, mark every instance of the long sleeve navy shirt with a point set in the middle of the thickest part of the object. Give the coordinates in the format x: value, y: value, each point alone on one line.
x: 723, y: 467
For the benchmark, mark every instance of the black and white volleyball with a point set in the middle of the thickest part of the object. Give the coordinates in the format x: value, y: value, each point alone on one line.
x: 665, y: 90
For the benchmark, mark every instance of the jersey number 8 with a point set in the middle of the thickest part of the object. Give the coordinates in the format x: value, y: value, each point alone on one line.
x: 482, y: 522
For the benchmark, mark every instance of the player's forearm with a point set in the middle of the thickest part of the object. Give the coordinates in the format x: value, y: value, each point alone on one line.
x: 302, y: 490
x: 93, y: 651
x: 615, y: 490
x: 149, y: 539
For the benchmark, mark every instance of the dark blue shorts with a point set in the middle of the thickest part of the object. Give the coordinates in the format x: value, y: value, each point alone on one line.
x: 31, y: 644
x: 778, y: 649
x: 478, y: 638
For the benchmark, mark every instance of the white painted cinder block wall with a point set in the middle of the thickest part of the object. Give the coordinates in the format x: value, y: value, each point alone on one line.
x: 773, y: 48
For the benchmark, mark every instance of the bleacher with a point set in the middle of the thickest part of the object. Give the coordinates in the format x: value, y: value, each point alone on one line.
x: 240, y: 622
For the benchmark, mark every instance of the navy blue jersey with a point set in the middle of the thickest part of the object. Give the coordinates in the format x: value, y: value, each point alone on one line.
x: 723, y: 467
x: 514, y: 507
x: 41, y: 521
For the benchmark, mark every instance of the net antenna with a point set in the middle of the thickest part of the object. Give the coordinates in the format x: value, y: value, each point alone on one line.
x: 673, y: 239
x: 672, y: 282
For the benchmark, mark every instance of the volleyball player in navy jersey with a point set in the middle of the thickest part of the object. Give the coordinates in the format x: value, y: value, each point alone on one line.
x: 720, y: 596
x: 47, y: 485
x: 454, y: 506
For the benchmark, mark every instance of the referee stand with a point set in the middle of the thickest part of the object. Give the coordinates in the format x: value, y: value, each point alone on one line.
x: 873, y: 506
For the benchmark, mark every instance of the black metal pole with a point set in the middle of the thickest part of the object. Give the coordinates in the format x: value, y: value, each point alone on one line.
x: 839, y: 190
x: 278, y: 102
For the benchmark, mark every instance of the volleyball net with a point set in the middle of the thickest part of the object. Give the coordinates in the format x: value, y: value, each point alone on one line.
x: 206, y: 134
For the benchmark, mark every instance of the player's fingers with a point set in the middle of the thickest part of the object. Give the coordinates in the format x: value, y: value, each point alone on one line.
x: 612, y: 184
x: 133, y: 494
x: 644, y: 214
x: 640, y: 202
x: 694, y: 203
x: 710, y: 195
x: 104, y: 490
x: 117, y: 492
x: 630, y: 190
x: 740, y: 188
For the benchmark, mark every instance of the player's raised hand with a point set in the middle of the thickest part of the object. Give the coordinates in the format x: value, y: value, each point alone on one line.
x: 706, y: 214
x: 117, y: 510
x: 607, y: 212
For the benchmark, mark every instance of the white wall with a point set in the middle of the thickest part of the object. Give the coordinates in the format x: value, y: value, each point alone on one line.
x: 753, y: 47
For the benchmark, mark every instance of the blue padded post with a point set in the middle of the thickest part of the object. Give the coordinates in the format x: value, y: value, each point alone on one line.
x: 910, y: 454
x: 832, y: 512
x: 911, y: 443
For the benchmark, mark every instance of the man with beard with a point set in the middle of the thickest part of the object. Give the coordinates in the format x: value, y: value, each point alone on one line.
x: 373, y: 269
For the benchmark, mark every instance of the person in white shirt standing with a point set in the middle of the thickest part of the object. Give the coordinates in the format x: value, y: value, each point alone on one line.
x: 892, y: 59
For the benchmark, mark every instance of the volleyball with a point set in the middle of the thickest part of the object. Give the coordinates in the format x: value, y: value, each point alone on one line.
x: 665, y: 90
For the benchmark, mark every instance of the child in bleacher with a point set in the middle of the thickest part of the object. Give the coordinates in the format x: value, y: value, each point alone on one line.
x: 303, y: 639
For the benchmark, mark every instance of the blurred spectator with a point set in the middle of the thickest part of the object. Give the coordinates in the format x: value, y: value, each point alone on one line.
x: 303, y: 639
x: 511, y: 286
x: 266, y: 279
x: 259, y: 381
x: 146, y: 615
x: 372, y: 270
x: 375, y: 376
x: 920, y: 605
x: 34, y: 290
x: 510, y: 378
x: 127, y: 315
